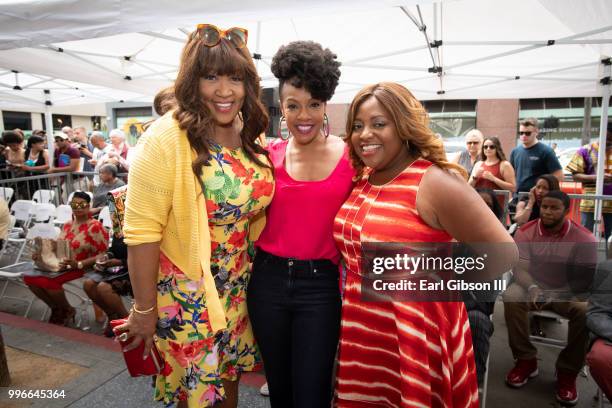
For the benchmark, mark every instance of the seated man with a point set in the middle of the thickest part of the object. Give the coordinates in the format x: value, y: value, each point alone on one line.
x: 557, y: 261
x: 599, y: 322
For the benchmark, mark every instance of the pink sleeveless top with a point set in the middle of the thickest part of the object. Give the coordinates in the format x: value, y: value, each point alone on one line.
x: 300, y: 220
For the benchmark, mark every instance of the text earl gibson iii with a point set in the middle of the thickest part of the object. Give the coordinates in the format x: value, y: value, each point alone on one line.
x: 442, y: 285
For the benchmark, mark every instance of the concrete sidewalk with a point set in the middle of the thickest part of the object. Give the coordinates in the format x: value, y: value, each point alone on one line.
x: 103, y: 382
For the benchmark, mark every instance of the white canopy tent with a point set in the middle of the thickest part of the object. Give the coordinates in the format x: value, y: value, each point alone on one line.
x: 489, y: 48
x: 448, y: 49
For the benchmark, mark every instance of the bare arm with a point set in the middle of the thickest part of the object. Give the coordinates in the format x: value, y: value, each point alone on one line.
x: 582, y: 178
x: 45, y: 166
x: 446, y: 202
x: 523, y: 211
x: 143, y: 265
x: 74, y: 166
x: 475, y: 170
x: 508, y: 179
x: 558, y: 174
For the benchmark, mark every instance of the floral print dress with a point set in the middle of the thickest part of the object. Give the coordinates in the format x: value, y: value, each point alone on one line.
x: 198, y: 360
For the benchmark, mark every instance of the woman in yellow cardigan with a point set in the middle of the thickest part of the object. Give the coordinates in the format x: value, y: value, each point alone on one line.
x: 198, y: 188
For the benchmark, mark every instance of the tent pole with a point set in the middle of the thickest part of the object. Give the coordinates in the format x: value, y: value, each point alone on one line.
x: 602, y: 157
x: 49, y: 126
x: 257, y: 43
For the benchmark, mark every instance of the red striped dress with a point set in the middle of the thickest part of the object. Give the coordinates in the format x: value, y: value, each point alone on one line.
x: 398, y: 354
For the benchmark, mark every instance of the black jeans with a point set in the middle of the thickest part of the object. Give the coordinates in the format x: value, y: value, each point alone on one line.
x: 294, y: 308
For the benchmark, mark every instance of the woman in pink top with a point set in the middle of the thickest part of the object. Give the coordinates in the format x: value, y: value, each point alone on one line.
x: 293, y: 296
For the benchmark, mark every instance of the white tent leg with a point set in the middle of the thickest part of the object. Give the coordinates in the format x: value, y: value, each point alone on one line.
x: 49, y: 125
x: 602, y: 157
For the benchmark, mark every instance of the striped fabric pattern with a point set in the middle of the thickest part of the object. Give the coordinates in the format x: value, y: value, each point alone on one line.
x: 398, y: 354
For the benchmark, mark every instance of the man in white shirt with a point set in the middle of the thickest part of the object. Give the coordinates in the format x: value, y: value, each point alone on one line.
x: 101, y: 148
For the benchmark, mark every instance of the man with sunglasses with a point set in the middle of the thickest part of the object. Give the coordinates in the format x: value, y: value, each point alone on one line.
x: 531, y: 159
x: 469, y: 156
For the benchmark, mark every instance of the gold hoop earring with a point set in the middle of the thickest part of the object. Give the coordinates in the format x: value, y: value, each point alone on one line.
x: 280, y: 127
x: 325, y: 125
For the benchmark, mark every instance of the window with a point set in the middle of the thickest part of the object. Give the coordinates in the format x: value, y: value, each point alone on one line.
x: 59, y: 121
x: 561, y: 120
x: 134, y: 112
x: 17, y: 120
x: 452, y: 118
x: 96, y: 122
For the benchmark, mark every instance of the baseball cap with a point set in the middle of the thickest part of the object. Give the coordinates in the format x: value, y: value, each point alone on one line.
x: 61, y: 135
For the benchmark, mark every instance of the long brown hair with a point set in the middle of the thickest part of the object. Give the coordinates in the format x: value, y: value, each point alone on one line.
x: 410, y: 120
x: 193, y: 115
x: 499, y: 151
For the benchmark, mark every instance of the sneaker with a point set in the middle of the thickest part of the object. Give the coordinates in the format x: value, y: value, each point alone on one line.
x: 264, y: 390
x: 523, y: 370
x: 566, y: 388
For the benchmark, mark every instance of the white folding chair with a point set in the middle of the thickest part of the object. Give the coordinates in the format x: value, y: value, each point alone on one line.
x: 105, y: 218
x: 14, y: 273
x: 43, y: 196
x: 22, y: 210
x: 6, y: 193
x: 63, y: 214
x: 43, y: 212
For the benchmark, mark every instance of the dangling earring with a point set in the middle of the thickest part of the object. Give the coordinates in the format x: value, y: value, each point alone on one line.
x: 280, y: 128
x: 325, y: 125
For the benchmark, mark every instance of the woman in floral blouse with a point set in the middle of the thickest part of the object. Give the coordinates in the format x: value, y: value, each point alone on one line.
x: 87, y: 238
x: 198, y: 189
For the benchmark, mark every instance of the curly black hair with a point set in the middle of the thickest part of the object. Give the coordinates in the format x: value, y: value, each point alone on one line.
x: 305, y: 64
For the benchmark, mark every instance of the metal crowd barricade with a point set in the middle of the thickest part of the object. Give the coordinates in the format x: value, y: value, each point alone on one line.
x: 61, y: 184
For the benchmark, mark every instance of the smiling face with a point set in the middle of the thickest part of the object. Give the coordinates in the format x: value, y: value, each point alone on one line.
x: 375, y: 140
x: 224, y: 96
x: 304, y: 114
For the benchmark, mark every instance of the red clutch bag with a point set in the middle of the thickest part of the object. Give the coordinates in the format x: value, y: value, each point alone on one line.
x: 136, y: 365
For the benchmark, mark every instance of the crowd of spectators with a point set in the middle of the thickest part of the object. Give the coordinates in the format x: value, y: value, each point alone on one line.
x: 541, y: 212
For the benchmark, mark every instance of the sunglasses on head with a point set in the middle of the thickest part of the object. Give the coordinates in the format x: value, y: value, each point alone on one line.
x: 527, y: 133
x: 79, y: 205
x: 471, y: 143
x: 211, y: 35
x: 486, y: 147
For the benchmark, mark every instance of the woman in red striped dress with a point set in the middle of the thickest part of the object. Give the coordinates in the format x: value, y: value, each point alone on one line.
x: 405, y: 354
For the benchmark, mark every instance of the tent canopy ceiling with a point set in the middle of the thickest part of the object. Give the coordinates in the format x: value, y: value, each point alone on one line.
x: 490, y: 49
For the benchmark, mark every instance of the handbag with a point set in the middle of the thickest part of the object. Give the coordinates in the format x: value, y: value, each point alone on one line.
x: 50, y: 252
x: 136, y: 365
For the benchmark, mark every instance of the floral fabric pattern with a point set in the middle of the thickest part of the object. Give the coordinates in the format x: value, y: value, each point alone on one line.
x: 86, y: 240
x: 197, y: 359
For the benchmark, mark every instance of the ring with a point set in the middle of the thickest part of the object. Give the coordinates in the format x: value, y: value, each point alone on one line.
x: 123, y: 336
x: 68, y: 266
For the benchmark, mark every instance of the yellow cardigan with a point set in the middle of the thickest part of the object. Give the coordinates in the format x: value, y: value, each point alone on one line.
x: 165, y: 204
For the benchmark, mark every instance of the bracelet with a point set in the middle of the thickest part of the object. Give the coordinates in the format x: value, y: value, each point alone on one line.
x: 533, y: 285
x: 143, y: 312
